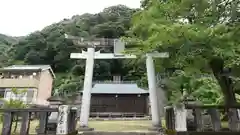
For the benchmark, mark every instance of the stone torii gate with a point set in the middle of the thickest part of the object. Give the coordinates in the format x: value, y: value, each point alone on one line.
x: 119, y: 47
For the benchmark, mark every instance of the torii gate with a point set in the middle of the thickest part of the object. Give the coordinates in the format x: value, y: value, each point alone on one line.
x: 119, y: 47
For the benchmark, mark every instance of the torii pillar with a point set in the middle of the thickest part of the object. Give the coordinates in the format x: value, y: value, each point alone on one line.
x: 90, y: 55
x: 155, y: 100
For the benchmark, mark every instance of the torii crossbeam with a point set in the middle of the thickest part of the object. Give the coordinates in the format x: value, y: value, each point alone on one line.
x: 119, y: 46
x: 99, y: 55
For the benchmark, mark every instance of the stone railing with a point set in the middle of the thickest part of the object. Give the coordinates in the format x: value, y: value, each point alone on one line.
x: 189, y: 117
x: 65, y: 124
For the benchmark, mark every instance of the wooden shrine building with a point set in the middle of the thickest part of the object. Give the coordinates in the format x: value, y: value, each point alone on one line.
x: 112, y: 97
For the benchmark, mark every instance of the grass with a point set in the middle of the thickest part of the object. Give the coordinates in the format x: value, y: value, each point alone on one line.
x: 111, y: 125
x: 133, y: 126
x: 125, y: 126
x: 33, y: 125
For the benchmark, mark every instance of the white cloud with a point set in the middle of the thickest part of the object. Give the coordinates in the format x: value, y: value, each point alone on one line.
x: 20, y: 17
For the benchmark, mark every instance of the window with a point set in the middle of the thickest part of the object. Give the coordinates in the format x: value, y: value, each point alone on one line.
x: 30, y: 95
x: 1, y: 75
x: 25, y: 96
x: 2, y: 91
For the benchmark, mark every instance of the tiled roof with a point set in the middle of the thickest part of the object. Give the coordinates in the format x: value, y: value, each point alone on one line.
x: 30, y: 67
x: 117, y: 89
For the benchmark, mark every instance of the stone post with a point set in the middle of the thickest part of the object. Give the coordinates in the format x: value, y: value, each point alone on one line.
x: 233, y: 122
x: 62, y: 123
x: 215, y: 119
x: 180, y: 117
x: 198, y: 119
x: 169, y: 118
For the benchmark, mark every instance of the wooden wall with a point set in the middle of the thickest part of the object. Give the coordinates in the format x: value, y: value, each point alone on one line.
x: 127, y: 103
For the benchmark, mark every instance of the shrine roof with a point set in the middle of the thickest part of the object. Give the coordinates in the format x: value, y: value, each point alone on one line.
x: 113, y: 88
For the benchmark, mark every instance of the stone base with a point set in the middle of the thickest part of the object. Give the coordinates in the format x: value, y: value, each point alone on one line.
x: 156, y: 129
x: 73, y: 133
x: 82, y: 129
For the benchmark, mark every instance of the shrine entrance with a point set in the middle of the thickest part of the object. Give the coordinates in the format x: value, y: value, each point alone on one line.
x: 118, y: 47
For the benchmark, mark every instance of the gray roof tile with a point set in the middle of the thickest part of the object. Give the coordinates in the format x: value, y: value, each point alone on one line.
x: 30, y: 67
x: 117, y: 89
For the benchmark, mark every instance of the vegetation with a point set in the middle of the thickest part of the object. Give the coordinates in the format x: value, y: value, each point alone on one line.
x: 201, y: 37
x: 15, y: 103
x: 49, y: 46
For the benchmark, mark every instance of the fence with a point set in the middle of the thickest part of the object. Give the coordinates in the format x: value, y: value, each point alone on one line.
x: 177, y: 120
x: 66, y: 122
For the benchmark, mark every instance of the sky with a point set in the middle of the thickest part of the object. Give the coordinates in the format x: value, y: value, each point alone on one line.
x: 21, y: 17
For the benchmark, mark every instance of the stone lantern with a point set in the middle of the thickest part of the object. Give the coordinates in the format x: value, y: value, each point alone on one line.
x: 74, y: 100
x: 191, y: 121
x: 202, y: 116
x: 55, y: 102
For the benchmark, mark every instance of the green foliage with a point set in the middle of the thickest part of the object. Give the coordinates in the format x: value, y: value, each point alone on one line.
x: 202, y: 88
x: 189, y: 44
x: 193, y: 32
x: 14, y: 103
x: 6, y: 43
x: 49, y: 46
x: 77, y: 70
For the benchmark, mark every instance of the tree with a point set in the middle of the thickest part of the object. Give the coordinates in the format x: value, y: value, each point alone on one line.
x: 49, y: 46
x: 15, y: 103
x: 201, y: 37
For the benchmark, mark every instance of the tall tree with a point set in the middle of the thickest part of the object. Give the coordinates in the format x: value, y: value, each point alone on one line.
x: 201, y: 37
x: 49, y: 46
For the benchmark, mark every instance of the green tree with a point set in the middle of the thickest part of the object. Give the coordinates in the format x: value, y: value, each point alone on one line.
x: 49, y: 46
x: 201, y: 37
x: 15, y: 103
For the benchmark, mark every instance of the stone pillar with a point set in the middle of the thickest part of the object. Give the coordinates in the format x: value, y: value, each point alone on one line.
x: 180, y: 118
x: 62, y: 123
x: 156, y: 120
x: 161, y: 101
x: 215, y: 119
x: 198, y: 119
x: 233, y: 119
x: 87, y: 88
x: 169, y: 118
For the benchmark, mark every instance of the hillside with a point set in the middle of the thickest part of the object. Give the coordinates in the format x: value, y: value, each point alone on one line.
x: 4, y: 39
x: 6, y: 43
x: 49, y: 46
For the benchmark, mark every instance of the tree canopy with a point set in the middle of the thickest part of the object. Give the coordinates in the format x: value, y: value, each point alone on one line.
x: 201, y: 36
x: 49, y: 46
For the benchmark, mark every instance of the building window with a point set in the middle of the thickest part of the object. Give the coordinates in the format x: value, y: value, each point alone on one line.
x: 2, y: 91
x: 1, y: 75
x: 30, y: 95
x: 24, y: 96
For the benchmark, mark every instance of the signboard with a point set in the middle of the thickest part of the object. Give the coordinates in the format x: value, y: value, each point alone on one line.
x: 62, y: 123
x: 119, y: 47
